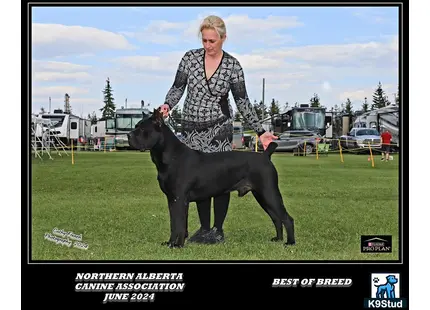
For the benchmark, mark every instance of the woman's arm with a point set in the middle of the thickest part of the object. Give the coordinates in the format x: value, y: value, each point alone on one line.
x: 180, y: 83
x: 238, y: 89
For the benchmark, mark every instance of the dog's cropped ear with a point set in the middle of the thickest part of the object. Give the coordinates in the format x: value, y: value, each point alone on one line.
x: 157, y: 117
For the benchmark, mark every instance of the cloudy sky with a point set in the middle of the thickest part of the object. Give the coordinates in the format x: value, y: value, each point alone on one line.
x: 338, y: 53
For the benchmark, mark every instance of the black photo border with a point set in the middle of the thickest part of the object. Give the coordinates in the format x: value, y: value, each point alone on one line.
x: 49, y: 283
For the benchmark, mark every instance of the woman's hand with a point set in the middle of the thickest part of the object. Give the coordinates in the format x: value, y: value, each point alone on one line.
x: 164, y: 108
x: 266, y: 138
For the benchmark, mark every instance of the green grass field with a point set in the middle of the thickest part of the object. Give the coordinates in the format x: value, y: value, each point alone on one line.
x: 114, y: 201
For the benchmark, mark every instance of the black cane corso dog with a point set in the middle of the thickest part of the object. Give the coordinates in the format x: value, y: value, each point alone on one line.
x: 186, y: 175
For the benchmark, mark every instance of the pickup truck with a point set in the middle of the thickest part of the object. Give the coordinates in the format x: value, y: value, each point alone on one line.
x: 359, y: 138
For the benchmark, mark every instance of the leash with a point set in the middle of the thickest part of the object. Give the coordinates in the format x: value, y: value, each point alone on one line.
x: 168, y: 122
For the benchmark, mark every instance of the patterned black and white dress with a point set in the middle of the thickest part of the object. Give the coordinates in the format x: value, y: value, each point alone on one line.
x: 207, y: 116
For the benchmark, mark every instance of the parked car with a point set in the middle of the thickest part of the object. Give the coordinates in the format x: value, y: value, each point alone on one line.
x: 359, y: 138
x: 238, y: 137
x: 293, y: 140
x: 247, y: 139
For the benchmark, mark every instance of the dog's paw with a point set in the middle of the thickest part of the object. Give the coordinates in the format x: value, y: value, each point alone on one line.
x: 171, y: 244
x: 276, y: 239
x: 174, y: 245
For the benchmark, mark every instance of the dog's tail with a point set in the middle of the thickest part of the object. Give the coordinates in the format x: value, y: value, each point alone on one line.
x: 270, y: 149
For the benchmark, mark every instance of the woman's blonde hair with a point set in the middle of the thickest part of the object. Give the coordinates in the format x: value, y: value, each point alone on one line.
x: 214, y: 22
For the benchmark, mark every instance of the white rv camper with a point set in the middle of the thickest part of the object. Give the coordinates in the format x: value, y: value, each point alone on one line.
x: 65, y: 126
x: 387, y: 117
x: 98, y: 130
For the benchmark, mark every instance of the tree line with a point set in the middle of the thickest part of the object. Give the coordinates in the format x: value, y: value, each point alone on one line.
x: 379, y: 100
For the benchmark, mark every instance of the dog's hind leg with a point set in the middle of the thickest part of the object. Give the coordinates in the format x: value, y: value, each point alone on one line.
x: 276, y: 220
x: 379, y: 292
x: 186, y: 220
x: 272, y: 199
x: 288, y: 222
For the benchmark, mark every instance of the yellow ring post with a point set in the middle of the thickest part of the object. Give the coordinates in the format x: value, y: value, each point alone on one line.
x: 256, y: 143
x: 340, y: 151
x: 73, y: 157
x: 317, y: 149
x: 371, y: 156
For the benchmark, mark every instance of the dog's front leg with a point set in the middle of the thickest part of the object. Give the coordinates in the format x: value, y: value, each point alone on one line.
x: 390, y: 292
x: 172, y: 224
x: 178, y: 209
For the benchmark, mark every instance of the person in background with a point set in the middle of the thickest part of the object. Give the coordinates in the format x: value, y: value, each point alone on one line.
x: 386, y: 142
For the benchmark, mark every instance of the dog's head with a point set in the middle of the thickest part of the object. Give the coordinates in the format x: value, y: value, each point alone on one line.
x: 147, y: 132
x: 392, y: 279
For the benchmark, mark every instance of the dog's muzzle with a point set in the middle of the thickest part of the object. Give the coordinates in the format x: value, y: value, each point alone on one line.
x: 131, y: 140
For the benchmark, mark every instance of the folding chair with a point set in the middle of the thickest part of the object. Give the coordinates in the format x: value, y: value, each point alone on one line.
x: 323, y: 148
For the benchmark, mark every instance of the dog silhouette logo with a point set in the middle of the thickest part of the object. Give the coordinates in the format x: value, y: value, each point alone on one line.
x: 385, y: 291
x: 385, y: 285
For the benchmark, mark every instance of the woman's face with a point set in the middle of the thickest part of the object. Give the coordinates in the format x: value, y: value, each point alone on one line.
x: 212, y: 43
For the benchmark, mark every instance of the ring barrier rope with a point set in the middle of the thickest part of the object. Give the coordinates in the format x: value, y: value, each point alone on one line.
x: 98, y: 147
